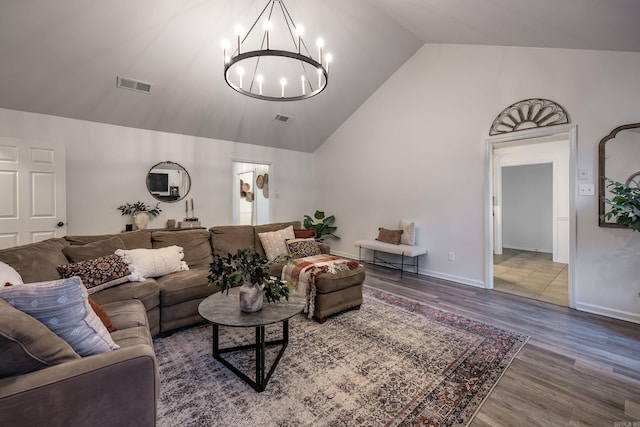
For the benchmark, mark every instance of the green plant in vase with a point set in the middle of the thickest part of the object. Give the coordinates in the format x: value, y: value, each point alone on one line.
x: 624, y: 205
x: 141, y: 212
x: 251, y: 271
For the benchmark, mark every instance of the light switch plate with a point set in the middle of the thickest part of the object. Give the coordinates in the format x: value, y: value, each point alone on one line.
x: 583, y: 173
x: 586, y: 190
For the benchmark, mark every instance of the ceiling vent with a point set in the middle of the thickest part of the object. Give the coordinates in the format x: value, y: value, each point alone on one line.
x: 138, y: 86
x: 284, y: 119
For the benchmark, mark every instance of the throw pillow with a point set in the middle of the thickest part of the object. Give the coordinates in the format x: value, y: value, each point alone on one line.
x: 63, y: 306
x: 303, y: 247
x: 408, y: 233
x: 275, y: 242
x: 98, y: 274
x: 27, y: 345
x: 304, y: 234
x: 77, y: 253
x: 8, y: 274
x: 104, y: 317
x: 389, y: 236
x: 145, y: 263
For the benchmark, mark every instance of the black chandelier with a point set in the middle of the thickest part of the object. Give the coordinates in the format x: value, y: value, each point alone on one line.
x: 275, y: 74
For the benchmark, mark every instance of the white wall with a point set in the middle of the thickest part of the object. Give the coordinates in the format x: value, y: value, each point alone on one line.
x: 527, y: 207
x: 107, y: 166
x: 416, y: 150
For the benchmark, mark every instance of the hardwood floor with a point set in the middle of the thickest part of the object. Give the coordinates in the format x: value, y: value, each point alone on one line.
x: 576, y: 369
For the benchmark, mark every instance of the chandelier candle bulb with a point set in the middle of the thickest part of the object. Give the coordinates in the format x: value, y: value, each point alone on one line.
x: 239, y: 31
x: 319, y: 77
x: 320, y: 44
x: 300, y: 33
x: 267, y: 28
x: 283, y: 83
x: 225, y: 47
x: 240, y: 74
x: 259, y: 78
x: 329, y: 58
x: 302, y: 81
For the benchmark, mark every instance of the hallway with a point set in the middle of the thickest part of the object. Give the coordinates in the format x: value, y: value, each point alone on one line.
x: 532, y: 275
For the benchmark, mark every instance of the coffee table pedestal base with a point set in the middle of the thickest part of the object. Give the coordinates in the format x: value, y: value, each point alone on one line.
x: 262, y: 376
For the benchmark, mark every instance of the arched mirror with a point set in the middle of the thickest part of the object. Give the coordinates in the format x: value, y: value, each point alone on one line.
x: 168, y: 182
x: 618, y: 160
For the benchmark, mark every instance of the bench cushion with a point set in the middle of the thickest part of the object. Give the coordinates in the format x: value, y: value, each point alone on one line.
x: 406, y: 250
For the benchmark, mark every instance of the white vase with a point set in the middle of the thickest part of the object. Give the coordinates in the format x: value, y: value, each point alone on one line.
x: 251, y: 297
x: 141, y: 219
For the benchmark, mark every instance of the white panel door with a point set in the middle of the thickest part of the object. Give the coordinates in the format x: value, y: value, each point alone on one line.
x: 32, y: 191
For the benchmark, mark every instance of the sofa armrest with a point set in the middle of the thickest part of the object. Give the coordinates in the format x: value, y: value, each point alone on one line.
x: 324, y: 248
x: 119, y: 387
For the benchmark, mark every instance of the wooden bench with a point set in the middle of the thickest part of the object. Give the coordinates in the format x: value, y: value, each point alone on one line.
x: 410, y: 251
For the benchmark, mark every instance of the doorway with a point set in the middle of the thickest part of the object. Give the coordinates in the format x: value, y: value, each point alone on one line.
x: 531, y: 221
x: 250, y: 193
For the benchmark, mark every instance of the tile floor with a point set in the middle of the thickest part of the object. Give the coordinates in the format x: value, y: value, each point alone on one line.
x: 532, y: 275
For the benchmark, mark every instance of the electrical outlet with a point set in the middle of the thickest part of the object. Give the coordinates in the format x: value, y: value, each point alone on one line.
x: 586, y: 190
x: 452, y: 256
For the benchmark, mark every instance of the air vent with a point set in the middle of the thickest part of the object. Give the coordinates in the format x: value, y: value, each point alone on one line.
x: 138, y: 86
x: 284, y: 119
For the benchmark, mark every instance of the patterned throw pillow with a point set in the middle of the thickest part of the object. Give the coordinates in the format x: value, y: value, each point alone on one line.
x: 98, y: 274
x: 389, y: 236
x: 275, y: 242
x: 27, y: 345
x: 301, y: 248
x: 63, y: 307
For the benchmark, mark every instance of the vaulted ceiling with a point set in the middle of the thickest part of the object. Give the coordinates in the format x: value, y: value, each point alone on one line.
x: 62, y: 57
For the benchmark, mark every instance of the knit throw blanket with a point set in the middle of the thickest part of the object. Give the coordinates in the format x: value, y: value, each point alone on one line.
x: 303, y: 273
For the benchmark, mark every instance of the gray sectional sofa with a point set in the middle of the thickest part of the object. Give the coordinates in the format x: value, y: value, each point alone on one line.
x: 121, y: 387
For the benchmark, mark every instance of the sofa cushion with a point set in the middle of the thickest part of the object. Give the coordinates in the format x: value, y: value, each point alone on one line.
x: 63, y: 306
x: 140, y: 239
x: 227, y: 239
x: 274, y: 243
x: 27, y: 345
x: 132, y: 336
x: 185, y: 285
x: 195, y: 244
x: 98, y: 274
x: 9, y: 275
x: 100, y: 248
x: 147, y: 292
x: 145, y: 263
x: 37, y: 262
x: 328, y: 282
x: 126, y: 314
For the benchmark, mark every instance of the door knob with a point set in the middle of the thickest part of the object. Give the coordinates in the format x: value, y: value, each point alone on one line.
x: 60, y: 224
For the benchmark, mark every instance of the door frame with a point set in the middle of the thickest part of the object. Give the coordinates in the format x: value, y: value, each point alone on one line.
x: 515, y: 138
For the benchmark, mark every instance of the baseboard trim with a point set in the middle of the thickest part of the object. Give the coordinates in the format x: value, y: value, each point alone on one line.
x: 607, y: 312
x: 430, y: 273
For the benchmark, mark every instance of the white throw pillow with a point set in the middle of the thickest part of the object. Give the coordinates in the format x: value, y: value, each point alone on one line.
x: 145, y: 263
x: 9, y: 274
x: 274, y: 243
x: 408, y: 236
x: 63, y: 306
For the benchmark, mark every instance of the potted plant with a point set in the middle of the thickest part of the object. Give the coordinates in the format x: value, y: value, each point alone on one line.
x: 323, y: 228
x: 140, y: 212
x: 624, y: 205
x: 249, y: 269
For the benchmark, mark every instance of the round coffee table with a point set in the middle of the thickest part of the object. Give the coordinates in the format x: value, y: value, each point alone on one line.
x: 224, y: 310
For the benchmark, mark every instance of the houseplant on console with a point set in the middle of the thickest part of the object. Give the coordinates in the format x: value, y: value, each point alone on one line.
x: 140, y: 212
x: 250, y: 270
x: 624, y: 205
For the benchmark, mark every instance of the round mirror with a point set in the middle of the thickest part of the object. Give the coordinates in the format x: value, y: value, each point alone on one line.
x: 168, y: 182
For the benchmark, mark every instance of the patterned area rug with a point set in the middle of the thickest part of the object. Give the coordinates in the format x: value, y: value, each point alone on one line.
x: 394, y: 362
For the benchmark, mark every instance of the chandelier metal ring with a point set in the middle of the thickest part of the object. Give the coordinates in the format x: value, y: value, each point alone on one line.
x: 276, y: 53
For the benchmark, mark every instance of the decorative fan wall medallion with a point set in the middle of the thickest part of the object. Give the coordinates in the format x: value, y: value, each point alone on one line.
x: 529, y: 114
x: 634, y: 180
